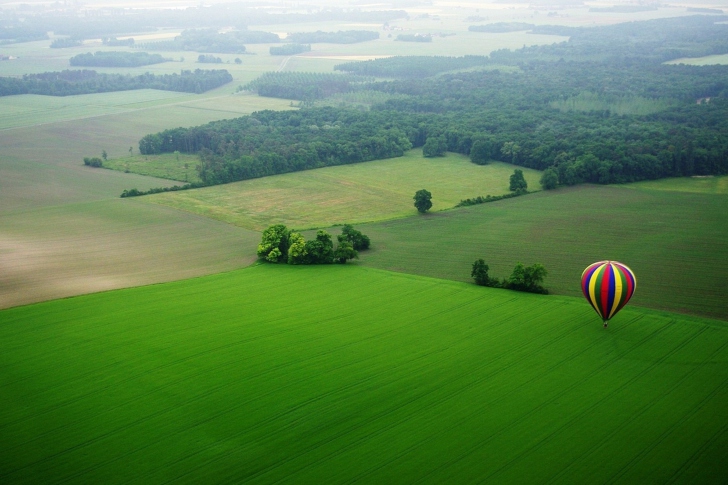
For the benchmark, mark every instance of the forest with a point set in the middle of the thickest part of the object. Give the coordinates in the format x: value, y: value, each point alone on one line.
x: 71, y: 82
x: 304, y: 86
x: 116, y: 59
x: 521, y: 117
x: 210, y: 40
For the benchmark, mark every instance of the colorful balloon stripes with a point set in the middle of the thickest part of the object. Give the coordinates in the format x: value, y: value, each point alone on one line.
x: 608, y: 286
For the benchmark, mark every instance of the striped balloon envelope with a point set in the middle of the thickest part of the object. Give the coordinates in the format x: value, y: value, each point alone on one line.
x: 608, y: 286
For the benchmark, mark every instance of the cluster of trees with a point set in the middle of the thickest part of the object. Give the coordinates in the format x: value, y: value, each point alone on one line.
x: 302, y: 86
x: 11, y: 34
x: 501, y: 27
x: 414, y: 38
x: 523, y: 278
x: 93, y: 162
x: 116, y: 59
x: 72, y: 82
x: 339, y: 37
x: 416, y: 67
x: 208, y: 59
x: 210, y: 40
x: 282, y: 245
x: 66, y: 42
x: 289, y: 49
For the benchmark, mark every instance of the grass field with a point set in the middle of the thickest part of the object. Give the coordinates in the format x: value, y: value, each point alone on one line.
x: 180, y: 166
x: 219, y: 380
x: 356, y: 193
x: 702, y: 185
x: 676, y: 242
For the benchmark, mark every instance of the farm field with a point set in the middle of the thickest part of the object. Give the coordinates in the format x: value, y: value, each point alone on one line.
x: 70, y: 249
x: 356, y: 193
x: 207, y: 380
x: 676, y: 242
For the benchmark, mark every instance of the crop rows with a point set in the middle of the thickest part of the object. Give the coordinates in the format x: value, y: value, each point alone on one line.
x: 206, y: 380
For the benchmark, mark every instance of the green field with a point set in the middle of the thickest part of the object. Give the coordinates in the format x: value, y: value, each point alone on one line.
x: 701, y: 185
x: 355, y: 193
x: 214, y: 380
x: 676, y: 242
x: 173, y: 166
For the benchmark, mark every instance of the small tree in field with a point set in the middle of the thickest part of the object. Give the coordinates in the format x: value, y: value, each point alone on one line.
x: 423, y: 200
x: 518, y: 182
x: 480, y: 273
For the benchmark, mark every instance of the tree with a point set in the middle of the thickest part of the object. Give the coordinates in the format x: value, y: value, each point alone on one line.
x: 104, y: 155
x: 423, y: 200
x: 344, y: 252
x: 527, y: 278
x: 480, y: 273
x: 481, y: 151
x: 518, y: 182
x: 511, y: 149
x: 435, y: 146
x: 549, y: 179
x: 274, y: 244
x: 238, y: 60
x: 321, y: 249
x: 297, y: 253
x: 358, y: 240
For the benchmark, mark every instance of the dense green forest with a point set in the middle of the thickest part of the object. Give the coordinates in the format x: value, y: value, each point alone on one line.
x: 210, y: 40
x: 304, y: 86
x: 66, y: 83
x: 339, y: 37
x: 116, y: 59
x: 679, y: 125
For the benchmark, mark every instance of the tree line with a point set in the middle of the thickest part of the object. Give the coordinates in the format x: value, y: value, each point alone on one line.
x: 302, y: 86
x: 71, y: 82
x: 523, y: 278
x: 117, y: 59
x: 210, y: 40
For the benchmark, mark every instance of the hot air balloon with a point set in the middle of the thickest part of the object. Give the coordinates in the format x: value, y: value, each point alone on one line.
x: 608, y: 286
